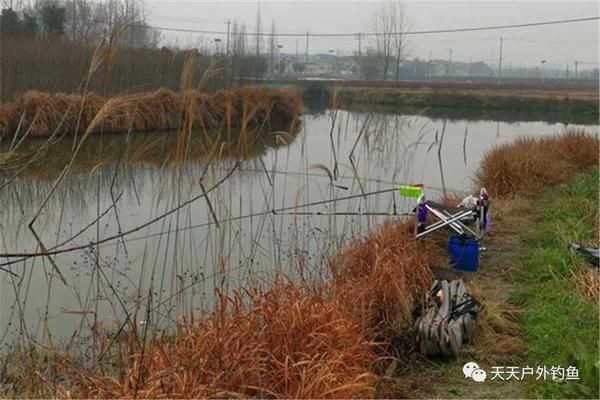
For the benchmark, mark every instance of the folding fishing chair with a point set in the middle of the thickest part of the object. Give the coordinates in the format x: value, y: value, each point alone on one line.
x: 473, y: 210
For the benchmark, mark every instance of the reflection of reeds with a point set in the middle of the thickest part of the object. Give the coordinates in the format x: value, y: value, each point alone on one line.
x: 160, y: 110
x: 529, y: 165
x: 42, y: 161
x: 284, y: 343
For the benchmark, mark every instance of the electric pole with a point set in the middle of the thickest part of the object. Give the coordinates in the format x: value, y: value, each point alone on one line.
x: 306, y: 50
x: 576, y: 63
x: 430, y: 60
x: 359, y: 44
x: 500, y: 62
x: 449, y: 62
x: 0, y: 57
x: 228, y: 26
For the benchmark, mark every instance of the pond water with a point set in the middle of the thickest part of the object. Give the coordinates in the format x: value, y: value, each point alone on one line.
x: 164, y: 248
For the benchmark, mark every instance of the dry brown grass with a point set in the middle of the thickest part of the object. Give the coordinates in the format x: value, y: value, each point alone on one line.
x: 285, y: 343
x: 247, y: 107
x: 529, y: 165
x: 498, y: 336
x: 380, y: 278
x: 588, y: 281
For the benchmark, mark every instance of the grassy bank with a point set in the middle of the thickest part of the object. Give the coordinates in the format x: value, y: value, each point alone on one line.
x: 559, y: 105
x: 558, y: 290
x: 560, y: 321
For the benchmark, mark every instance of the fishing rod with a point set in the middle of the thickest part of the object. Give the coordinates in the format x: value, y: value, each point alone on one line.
x: 357, y: 213
x: 25, y: 255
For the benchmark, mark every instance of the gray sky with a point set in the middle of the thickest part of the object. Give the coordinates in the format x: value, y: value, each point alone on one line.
x: 558, y: 44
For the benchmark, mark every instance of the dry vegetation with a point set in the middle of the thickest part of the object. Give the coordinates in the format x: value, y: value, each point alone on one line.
x: 42, y: 114
x: 529, y: 165
x: 284, y: 343
x: 380, y: 279
x: 288, y: 341
x: 588, y: 282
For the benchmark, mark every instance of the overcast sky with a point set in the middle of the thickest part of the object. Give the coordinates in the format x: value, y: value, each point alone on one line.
x: 558, y: 44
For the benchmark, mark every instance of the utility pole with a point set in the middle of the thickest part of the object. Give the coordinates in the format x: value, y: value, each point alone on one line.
x: 296, y: 50
x: 0, y: 57
x: 542, y: 69
x: 359, y: 45
x: 398, y: 61
x: 306, y: 50
x: 72, y: 22
x: 430, y: 61
x: 576, y: 63
x: 449, y: 62
x: 228, y: 26
x: 500, y: 62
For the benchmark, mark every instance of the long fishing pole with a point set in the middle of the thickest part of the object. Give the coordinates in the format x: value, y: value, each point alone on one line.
x: 357, y: 213
x: 25, y: 255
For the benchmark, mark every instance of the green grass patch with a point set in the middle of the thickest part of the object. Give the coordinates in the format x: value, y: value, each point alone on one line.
x: 560, y: 324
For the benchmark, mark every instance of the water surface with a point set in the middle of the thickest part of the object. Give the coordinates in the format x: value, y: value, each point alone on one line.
x: 284, y: 207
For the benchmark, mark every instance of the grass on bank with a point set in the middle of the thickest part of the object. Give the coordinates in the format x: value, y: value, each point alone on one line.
x: 560, y: 321
x: 529, y: 166
x: 562, y: 105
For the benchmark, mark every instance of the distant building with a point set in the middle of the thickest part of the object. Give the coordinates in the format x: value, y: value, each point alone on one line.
x: 318, y: 69
x: 422, y: 69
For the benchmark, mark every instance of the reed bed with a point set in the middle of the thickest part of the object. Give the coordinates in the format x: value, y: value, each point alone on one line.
x: 281, y: 343
x: 42, y: 114
x: 379, y: 280
x: 529, y: 165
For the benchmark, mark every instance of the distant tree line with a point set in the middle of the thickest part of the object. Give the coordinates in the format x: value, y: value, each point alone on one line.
x: 80, y: 21
x: 48, y: 46
x: 45, y: 20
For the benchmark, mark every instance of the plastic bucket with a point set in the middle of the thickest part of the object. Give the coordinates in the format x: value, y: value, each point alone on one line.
x: 463, y: 254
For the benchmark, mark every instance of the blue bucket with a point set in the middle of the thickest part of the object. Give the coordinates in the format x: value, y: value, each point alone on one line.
x: 463, y: 254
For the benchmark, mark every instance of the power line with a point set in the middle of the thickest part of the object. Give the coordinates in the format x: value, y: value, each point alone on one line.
x: 192, y: 21
x: 365, y: 34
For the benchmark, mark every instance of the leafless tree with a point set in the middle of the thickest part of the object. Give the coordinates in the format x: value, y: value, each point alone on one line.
x: 390, y: 24
x: 87, y: 21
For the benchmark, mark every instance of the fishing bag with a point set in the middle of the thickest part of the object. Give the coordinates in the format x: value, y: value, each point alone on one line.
x: 446, y: 320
